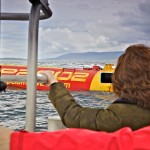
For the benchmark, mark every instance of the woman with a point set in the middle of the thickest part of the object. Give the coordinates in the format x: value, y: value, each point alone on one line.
x: 131, y: 83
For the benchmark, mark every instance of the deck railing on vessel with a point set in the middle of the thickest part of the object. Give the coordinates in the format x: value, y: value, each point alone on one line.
x: 34, y: 16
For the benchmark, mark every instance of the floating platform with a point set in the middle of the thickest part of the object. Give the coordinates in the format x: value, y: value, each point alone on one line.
x: 75, y: 79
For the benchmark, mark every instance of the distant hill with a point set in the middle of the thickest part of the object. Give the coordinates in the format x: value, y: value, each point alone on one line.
x: 89, y: 56
x: 81, y: 56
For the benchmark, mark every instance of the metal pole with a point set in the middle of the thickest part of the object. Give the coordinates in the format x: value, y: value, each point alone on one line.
x: 20, y: 16
x: 22, y: 78
x: 32, y: 67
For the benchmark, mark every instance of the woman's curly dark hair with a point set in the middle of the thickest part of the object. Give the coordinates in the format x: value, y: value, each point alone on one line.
x: 131, y: 78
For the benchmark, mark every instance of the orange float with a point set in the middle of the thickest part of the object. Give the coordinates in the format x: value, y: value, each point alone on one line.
x: 75, y: 79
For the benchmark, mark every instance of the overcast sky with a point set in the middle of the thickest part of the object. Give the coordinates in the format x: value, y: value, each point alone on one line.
x: 78, y: 26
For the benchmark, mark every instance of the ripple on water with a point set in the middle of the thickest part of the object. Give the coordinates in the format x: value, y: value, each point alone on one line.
x: 12, y: 107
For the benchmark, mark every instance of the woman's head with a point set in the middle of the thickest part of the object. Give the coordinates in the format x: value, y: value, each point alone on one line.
x: 131, y: 78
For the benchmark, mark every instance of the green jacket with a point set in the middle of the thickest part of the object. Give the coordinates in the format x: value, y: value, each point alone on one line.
x: 116, y: 116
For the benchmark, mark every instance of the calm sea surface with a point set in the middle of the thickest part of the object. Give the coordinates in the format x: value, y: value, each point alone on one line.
x: 12, y: 102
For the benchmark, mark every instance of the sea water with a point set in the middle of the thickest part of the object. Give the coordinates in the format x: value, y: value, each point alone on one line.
x: 13, y: 102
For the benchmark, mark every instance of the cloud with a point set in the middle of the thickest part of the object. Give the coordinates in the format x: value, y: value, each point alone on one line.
x: 138, y: 18
x: 17, y: 6
x: 64, y: 40
x: 14, y: 39
x: 96, y: 28
x: 89, y: 25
